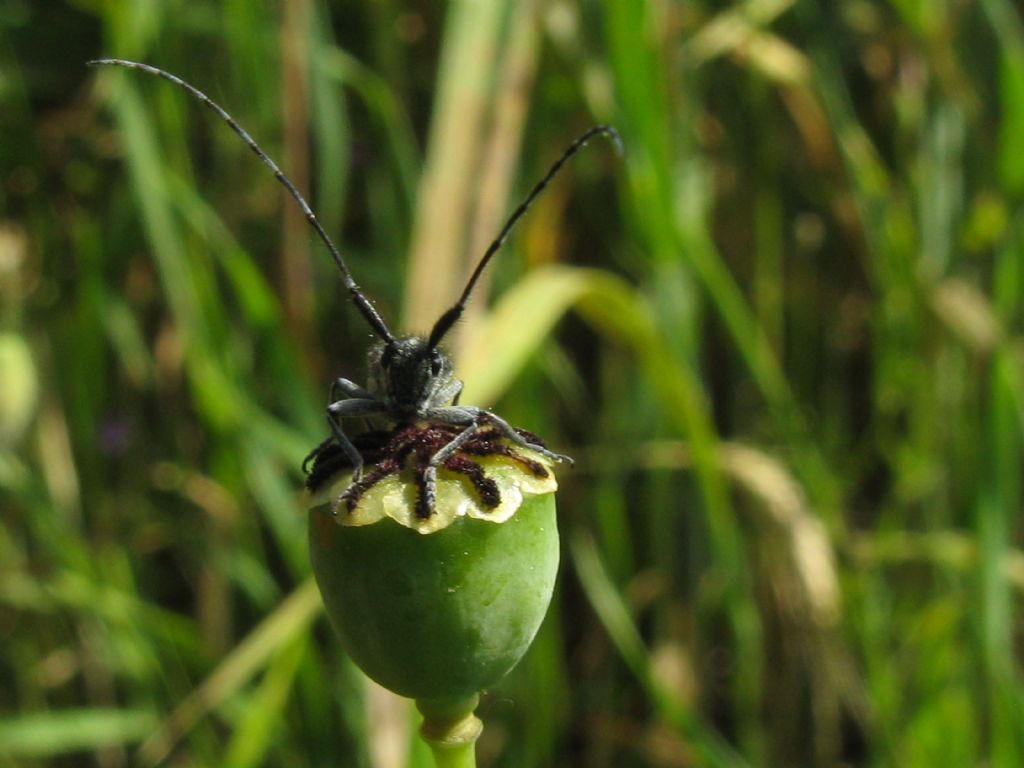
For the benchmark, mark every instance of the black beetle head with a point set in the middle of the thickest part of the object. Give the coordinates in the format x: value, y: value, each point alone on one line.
x: 410, y: 376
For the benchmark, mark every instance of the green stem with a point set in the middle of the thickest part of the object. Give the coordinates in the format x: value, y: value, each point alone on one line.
x: 451, y: 729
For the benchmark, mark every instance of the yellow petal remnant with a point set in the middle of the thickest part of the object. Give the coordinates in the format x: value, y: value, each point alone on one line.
x: 395, y: 496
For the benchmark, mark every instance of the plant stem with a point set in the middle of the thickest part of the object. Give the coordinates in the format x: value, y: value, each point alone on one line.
x: 451, y: 729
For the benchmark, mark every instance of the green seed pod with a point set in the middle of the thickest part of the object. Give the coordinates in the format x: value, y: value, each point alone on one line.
x: 443, y: 607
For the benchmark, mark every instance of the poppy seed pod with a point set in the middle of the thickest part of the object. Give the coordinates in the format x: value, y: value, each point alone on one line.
x: 439, y: 607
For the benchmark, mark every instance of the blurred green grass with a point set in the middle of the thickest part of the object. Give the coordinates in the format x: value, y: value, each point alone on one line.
x: 782, y: 336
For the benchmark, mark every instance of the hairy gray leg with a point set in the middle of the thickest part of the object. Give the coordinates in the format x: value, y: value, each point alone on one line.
x: 344, y: 409
x: 457, y: 415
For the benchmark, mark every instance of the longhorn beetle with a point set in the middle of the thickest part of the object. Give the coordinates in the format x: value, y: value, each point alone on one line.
x: 410, y: 379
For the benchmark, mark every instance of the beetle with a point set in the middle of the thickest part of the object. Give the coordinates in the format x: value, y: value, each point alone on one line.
x: 410, y: 379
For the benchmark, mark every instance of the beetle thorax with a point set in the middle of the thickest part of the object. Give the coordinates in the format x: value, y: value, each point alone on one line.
x: 410, y: 377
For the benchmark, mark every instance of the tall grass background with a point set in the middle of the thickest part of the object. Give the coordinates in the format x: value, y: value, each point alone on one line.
x: 781, y: 335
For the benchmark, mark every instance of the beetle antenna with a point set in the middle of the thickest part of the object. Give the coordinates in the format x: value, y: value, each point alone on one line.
x: 451, y: 316
x: 358, y: 297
